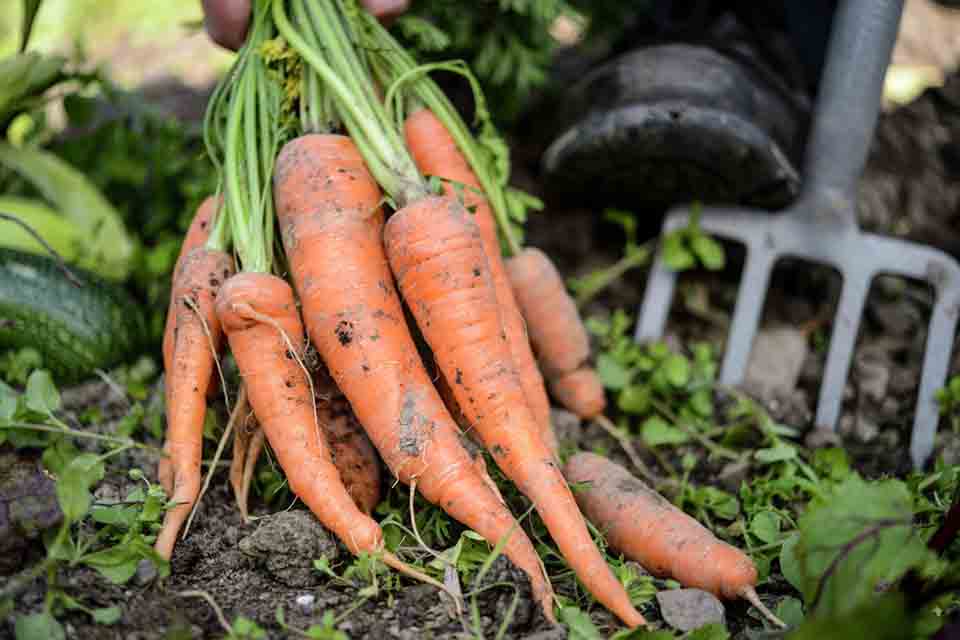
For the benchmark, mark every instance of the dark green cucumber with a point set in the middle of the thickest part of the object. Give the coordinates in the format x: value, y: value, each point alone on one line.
x: 76, y: 329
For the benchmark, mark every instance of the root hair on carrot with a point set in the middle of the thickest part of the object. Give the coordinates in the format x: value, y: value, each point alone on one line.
x: 216, y: 361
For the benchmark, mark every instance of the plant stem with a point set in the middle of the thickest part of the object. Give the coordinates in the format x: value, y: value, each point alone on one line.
x: 713, y: 447
x: 349, y: 87
x: 404, y: 68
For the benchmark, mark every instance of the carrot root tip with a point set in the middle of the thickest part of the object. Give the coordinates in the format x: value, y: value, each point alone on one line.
x: 750, y: 595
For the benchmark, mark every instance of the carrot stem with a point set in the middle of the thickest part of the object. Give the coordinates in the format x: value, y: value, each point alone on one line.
x: 395, y: 62
x: 342, y: 72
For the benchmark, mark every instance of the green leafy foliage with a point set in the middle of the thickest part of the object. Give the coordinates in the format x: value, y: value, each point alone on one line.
x: 948, y: 398
x: 634, y: 255
x: 850, y: 540
x: 689, y: 246
x: 508, y: 44
x: 112, y: 538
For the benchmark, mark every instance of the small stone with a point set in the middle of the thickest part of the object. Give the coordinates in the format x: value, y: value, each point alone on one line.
x: 28, y: 506
x: 872, y: 370
x: 689, y: 609
x: 146, y: 572
x: 287, y: 544
x: 776, y: 361
x: 819, y: 438
x: 864, y: 429
x: 305, y: 603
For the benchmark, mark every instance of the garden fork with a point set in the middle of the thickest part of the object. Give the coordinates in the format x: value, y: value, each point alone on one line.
x: 821, y: 226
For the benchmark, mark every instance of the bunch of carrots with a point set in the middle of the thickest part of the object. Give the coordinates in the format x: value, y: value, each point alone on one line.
x: 332, y: 143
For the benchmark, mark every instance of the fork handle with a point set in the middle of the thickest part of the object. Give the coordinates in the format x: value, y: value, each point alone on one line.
x: 848, y: 100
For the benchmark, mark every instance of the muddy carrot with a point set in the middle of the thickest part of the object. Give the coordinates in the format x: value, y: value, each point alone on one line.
x: 559, y: 338
x: 436, y: 254
x: 196, y: 236
x: 469, y: 341
x: 353, y: 455
x: 259, y: 316
x: 331, y: 224
x: 645, y: 527
x: 197, y: 338
x: 436, y: 153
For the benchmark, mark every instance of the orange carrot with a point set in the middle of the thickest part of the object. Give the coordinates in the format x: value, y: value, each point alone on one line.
x: 645, y: 527
x: 556, y: 331
x: 353, y: 454
x: 331, y: 224
x: 195, y: 237
x: 258, y: 315
x: 197, y: 279
x: 436, y: 153
x: 581, y: 392
x: 437, y: 256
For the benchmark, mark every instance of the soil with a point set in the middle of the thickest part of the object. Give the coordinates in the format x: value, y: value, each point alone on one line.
x: 911, y: 189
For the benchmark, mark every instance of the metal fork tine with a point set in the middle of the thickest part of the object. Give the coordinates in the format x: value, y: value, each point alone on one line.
x: 842, y: 341
x: 746, y: 314
x: 936, y: 362
x: 656, y: 302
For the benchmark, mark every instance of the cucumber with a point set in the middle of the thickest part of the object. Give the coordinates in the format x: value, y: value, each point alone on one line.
x: 76, y: 329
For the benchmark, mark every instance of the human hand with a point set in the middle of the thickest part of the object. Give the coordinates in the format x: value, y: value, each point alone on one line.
x: 227, y: 20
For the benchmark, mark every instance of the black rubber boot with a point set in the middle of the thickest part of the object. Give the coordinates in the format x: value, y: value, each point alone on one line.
x: 665, y: 123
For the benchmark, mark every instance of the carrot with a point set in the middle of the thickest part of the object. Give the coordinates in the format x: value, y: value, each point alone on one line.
x: 581, y: 392
x: 353, y: 454
x: 451, y: 275
x: 556, y: 331
x: 256, y: 311
x: 436, y: 153
x: 196, y: 282
x: 437, y: 256
x: 645, y: 527
x: 247, y: 445
x: 196, y: 236
x: 332, y: 225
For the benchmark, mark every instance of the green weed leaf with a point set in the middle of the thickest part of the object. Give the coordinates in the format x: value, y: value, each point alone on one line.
x: 779, y: 453
x: 851, y: 540
x: 613, y: 374
x: 677, y: 370
x: 656, y: 432
x: 766, y: 526
x: 675, y: 254
x: 634, y: 399
x: 41, y: 394
x: 708, y: 250
x: 790, y: 610
x: 8, y: 403
x: 106, y: 615
x: 714, y: 631
x: 73, y: 485
x: 579, y: 625
x: 38, y: 626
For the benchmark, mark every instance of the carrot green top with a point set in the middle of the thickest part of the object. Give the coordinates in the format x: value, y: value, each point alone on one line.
x: 242, y: 131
